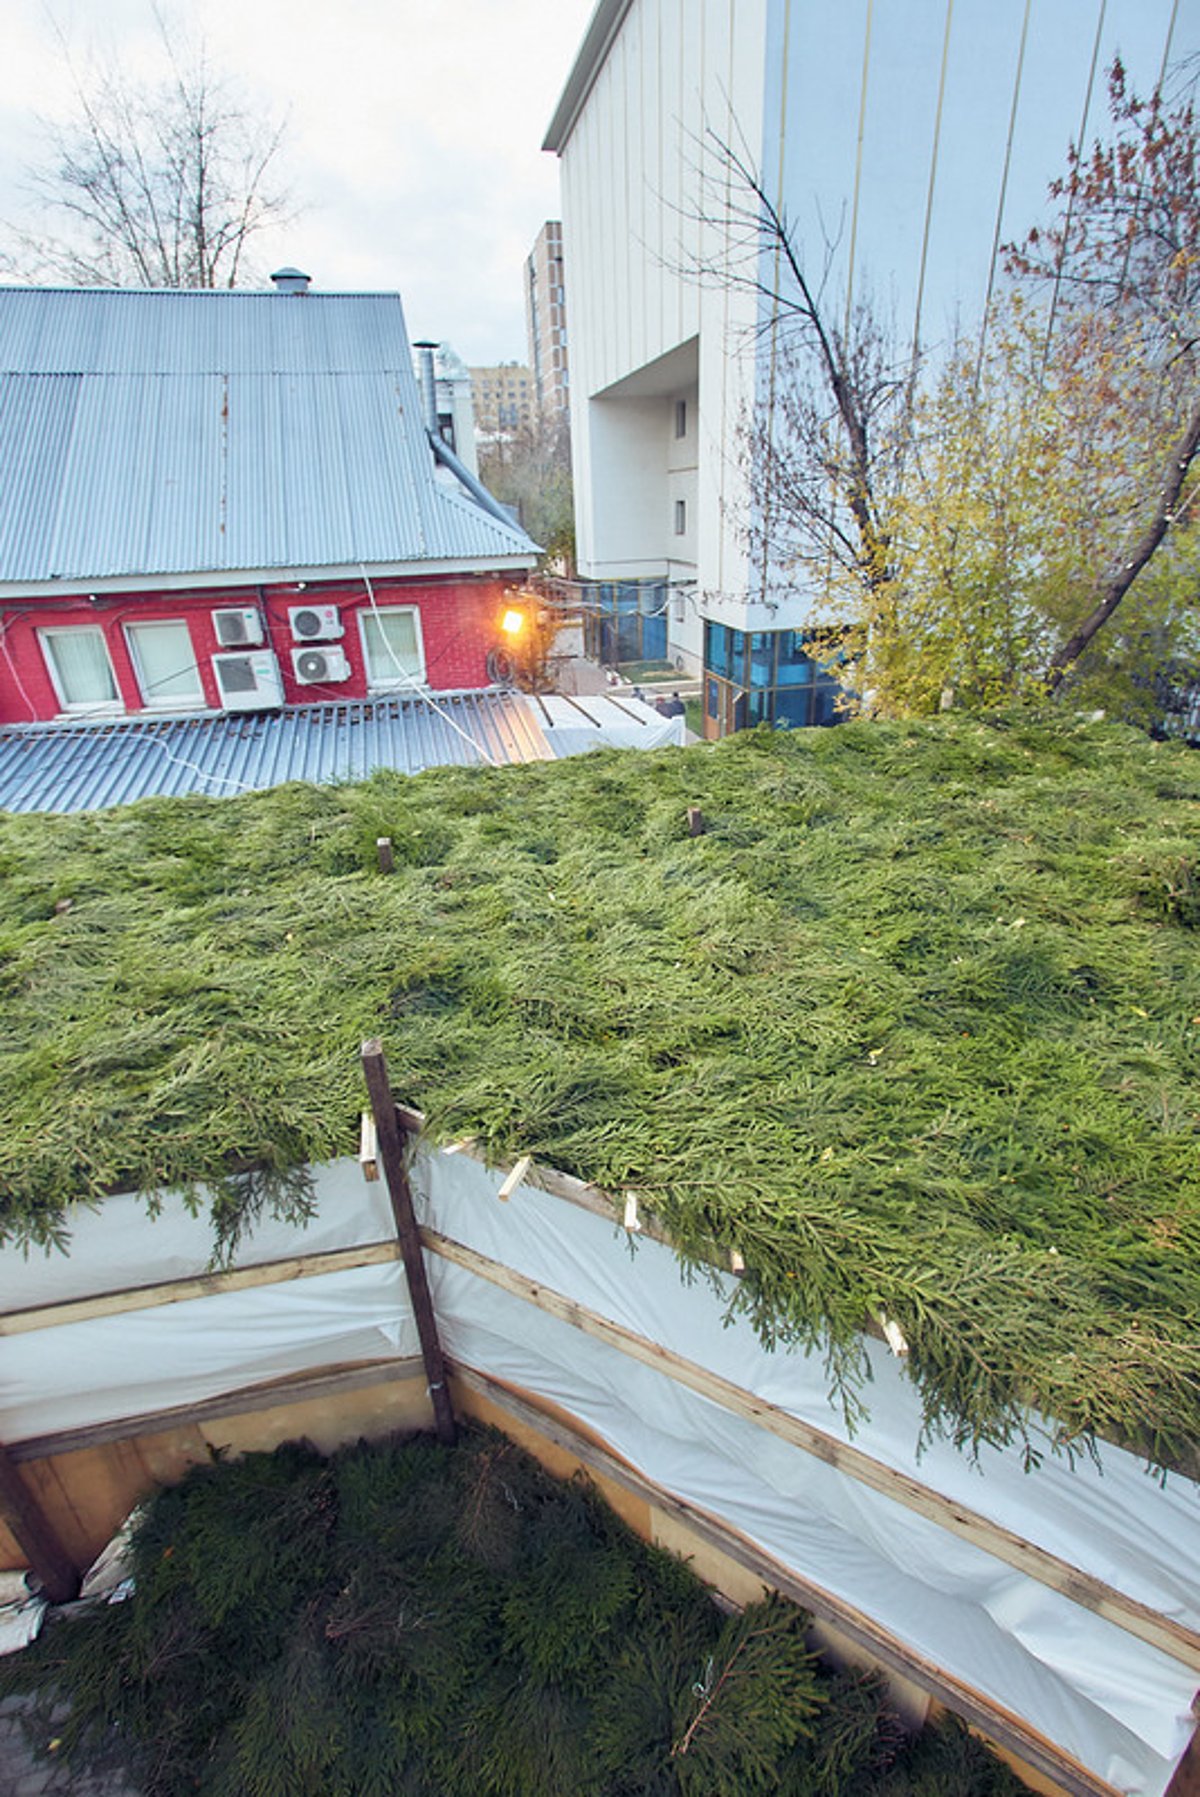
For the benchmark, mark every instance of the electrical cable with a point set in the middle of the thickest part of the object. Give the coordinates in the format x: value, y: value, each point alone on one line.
x: 418, y: 689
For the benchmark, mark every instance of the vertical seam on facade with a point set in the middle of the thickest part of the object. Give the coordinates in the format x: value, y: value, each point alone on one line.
x: 933, y: 163
x: 1003, y: 195
x: 1062, y: 256
x: 858, y: 161
x: 773, y: 370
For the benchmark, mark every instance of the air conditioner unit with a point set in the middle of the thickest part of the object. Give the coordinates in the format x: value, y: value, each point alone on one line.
x: 248, y: 682
x: 319, y: 667
x: 315, y: 623
x: 238, y: 627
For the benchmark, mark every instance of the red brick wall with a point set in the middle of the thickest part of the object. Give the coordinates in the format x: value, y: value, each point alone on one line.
x: 459, y: 624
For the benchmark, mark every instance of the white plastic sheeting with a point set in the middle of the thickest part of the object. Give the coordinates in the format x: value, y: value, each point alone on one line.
x: 1117, y: 1705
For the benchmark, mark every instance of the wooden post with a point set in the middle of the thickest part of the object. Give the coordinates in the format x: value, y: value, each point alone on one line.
x: 36, y: 1536
x: 695, y: 821
x: 387, y: 860
x: 391, y: 1157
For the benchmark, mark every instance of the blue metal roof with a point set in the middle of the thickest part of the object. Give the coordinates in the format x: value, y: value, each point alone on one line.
x: 146, y: 433
x: 88, y: 767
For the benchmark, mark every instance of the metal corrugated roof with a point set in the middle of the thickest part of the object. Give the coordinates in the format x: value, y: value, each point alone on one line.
x: 88, y: 767
x: 146, y: 433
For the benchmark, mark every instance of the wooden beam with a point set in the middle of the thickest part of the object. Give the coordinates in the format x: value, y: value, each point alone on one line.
x: 1162, y: 1632
x: 204, y: 1285
x: 295, y: 1388
x: 395, y: 1172
x: 35, y: 1535
x: 1003, y: 1727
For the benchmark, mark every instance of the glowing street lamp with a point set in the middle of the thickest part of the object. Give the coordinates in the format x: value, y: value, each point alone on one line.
x: 513, y: 623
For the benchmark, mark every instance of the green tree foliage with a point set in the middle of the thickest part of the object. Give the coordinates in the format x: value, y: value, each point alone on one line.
x: 531, y: 469
x: 457, y: 1624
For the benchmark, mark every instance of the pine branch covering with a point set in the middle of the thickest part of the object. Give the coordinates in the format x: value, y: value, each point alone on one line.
x: 393, y: 1652
x: 914, y: 1027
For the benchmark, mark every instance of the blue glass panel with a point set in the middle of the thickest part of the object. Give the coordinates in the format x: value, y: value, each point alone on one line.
x: 793, y: 706
x: 737, y: 656
x: 795, y: 666
x: 629, y: 637
x: 762, y: 657
x: 825, y: 697
x: 712, y: 697
x: 654, y: 638
x: 716, y: 648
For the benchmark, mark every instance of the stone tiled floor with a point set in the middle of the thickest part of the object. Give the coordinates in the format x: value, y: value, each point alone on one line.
x: 21, y: 1775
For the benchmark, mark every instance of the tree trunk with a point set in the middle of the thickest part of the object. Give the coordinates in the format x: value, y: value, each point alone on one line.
x: 1114, y: 590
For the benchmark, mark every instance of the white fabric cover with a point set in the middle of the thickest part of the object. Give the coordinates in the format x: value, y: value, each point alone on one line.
x: 1117, y: 1705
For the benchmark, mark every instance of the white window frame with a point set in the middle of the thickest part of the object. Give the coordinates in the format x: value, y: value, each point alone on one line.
x: 80, y: 707
x: 168, y: 702
x: 399, y: 683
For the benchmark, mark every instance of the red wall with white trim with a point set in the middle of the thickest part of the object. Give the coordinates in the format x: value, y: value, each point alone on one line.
x: 459, y: 622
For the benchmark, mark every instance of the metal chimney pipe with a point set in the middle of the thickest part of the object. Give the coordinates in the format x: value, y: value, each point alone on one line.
x: 428, y: 383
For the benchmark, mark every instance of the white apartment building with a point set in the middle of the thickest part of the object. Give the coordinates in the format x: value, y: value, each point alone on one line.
x: 906, y: 140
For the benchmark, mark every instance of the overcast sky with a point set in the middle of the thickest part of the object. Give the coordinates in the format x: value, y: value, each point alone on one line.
x: 413, y: 145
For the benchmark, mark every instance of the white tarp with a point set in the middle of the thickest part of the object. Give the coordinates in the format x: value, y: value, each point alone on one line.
x: 1116, y: 1704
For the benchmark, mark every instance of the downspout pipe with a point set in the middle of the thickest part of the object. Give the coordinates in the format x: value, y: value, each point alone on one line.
x: 446, y: 456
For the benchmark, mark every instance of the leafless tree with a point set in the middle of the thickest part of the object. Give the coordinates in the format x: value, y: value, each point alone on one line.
x: 160, y: 184
x: 822, y: 445
x: 1126, y: 244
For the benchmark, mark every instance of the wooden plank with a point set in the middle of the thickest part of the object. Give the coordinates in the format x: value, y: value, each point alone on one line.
x: 1003, y: 1727
x: 35, y: 1535
x: 395, y: 1172
x: 1136, y: 1618
x: 296, y: 1388
x: 203, y: 1285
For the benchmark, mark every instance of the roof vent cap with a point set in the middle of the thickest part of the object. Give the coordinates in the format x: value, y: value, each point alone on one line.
x: 291, y: 280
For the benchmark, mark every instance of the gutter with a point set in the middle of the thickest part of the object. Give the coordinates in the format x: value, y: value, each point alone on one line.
x: 606, y: 22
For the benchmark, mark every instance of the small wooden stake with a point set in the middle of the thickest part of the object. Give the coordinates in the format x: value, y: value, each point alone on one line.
x: 514, y: 1177
x: 391, y: 1156
x: 387, y: 860
x: 36, y: 1536
x: 695, y: 821
x: 368, y: 1148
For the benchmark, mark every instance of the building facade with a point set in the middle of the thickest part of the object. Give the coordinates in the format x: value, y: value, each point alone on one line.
x: 505, y: 399
x: 232, y: 501
x: 546, y: 322
x: 903, y: 144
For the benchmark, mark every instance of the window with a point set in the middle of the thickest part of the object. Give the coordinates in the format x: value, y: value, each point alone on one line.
x: 165, y: 663
x: 681, y: 417
x: 391, y: 640
x: 80, y: 669
x: 680, y: 517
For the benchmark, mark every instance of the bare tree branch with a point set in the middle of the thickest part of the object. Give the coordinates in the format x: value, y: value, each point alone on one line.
x: 159, y: 185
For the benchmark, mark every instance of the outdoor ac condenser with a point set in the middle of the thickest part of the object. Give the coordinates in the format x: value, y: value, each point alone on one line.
x: 238, y: 627
x: 320, y: 667
x: 249, y: 682
x: 315, y: 623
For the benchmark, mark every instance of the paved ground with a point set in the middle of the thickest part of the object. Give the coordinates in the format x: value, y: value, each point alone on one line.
x: 23, y: 1776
